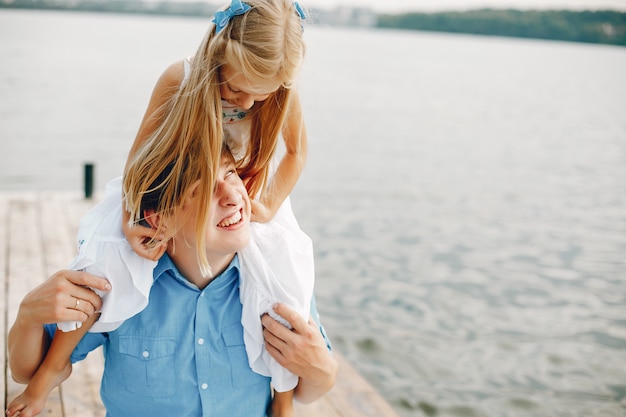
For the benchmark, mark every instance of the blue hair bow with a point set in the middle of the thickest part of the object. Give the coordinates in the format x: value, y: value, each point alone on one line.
x: 299, y: 10
x: 221, y: 18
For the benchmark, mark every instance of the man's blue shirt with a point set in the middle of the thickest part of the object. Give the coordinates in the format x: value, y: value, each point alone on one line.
x: 183, y: 355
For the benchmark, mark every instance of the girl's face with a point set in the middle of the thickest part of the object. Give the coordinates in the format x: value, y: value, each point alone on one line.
x: 239, y: 91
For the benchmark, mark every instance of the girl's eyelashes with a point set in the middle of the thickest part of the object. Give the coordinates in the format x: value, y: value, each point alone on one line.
x: 232, y: 90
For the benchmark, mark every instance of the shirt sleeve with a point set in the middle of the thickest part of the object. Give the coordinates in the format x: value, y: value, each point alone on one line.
x: 89, y: 342
x: 316, y: 317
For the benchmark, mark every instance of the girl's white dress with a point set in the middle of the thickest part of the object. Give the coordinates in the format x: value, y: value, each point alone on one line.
x: 277, y: 265
x: 104, y: 251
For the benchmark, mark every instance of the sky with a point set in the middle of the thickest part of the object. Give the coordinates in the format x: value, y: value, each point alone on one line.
x: 396, y: 6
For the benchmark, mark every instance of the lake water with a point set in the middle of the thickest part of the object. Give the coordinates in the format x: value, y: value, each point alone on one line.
x: 466, y: 195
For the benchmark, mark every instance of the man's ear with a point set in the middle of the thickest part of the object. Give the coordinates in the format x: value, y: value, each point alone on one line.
x: 152, y: 218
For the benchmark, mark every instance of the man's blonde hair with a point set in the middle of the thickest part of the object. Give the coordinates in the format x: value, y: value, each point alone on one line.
x: 265, y: 45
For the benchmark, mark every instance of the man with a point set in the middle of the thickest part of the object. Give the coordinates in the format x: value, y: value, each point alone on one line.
x: 183, y: 355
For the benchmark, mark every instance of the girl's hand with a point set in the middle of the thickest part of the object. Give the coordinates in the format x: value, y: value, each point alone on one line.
x: 260, y: 212
x: 140, y: 238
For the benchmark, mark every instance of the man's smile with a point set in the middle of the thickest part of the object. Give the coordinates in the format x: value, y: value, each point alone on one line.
x: 233, y: 219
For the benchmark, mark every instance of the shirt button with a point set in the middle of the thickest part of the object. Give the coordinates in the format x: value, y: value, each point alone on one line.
x: 201, y: 341
x: 145, y: 354
x: 204, y: 386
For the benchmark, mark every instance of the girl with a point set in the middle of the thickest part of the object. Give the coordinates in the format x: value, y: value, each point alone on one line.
x: 239, y: 88
x: 236, y: 89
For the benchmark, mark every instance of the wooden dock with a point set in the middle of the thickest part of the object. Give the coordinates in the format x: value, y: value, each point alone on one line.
x: 38, y: 231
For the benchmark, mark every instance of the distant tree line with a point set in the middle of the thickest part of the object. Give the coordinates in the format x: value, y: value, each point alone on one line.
x: 191, y: 8
x: 607, y: 27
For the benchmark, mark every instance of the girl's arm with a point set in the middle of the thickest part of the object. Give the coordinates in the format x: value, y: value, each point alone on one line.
x: 166, y: 86
x: 290, y: 167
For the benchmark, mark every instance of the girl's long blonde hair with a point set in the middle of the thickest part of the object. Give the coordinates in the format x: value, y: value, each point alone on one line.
x: 265, y: 45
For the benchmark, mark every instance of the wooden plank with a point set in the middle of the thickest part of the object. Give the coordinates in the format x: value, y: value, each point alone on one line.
x: 84, y: 401
x: 25, y: 271
x: 79, y: 393
x: 319, y: 408
x: 353, y: 396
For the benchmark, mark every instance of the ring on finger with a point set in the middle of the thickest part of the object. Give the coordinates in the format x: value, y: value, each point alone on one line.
x: 77, y: 304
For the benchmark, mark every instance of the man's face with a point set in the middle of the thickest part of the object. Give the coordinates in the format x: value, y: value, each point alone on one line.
x: 228, y: 228
x: 228, y: 223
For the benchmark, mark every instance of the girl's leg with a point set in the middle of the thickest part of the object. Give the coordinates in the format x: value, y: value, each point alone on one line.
x: 54, y: 369
x: 282, y: 404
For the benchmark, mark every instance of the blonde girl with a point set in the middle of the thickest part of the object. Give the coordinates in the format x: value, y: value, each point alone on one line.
x: 239, y: 88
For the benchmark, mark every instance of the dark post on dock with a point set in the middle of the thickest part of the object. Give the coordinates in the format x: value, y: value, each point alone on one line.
x: 88, y: 180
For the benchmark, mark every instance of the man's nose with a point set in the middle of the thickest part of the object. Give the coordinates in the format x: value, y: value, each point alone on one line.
x: 229, y: 195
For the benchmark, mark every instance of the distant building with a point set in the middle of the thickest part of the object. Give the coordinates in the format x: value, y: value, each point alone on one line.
x: 346, y: 16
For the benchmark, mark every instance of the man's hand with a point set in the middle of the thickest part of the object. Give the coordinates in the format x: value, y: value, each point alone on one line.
x: 302, y: 350
x: 63, y: 297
